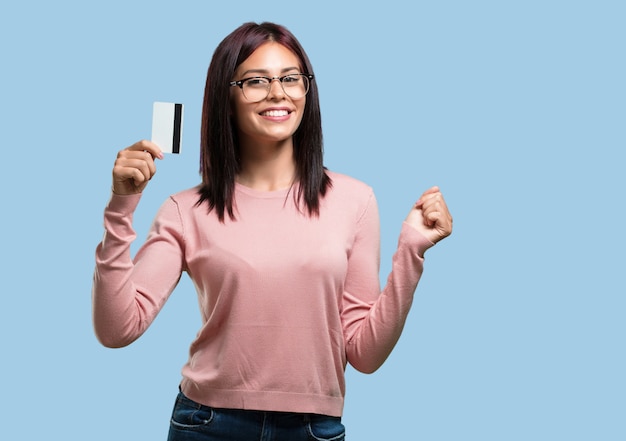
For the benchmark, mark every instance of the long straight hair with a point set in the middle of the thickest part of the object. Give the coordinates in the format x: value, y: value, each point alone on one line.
x: 219, y: 146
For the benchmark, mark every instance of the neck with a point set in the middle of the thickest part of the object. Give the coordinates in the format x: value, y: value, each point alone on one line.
x: 267, y: 167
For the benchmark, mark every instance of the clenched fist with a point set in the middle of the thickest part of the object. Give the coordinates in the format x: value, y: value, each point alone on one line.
x: 134, y: 167
x: 430, y: 216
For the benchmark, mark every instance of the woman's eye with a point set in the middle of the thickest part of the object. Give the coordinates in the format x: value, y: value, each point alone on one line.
x: 256, y: 82
x: 291, y: 79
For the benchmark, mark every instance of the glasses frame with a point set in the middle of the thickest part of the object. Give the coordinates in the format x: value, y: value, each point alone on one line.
x: 280, y: 79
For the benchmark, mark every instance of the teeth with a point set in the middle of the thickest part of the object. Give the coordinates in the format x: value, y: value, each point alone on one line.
x: 275, y: 113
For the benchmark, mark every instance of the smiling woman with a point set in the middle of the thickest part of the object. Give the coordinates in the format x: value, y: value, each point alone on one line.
x: 283, y: 252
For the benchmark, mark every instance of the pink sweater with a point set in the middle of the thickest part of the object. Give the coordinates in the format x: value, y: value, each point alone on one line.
x: 286, y: 299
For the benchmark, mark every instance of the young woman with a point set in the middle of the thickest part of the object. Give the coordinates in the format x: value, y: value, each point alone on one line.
x: 284, y: 255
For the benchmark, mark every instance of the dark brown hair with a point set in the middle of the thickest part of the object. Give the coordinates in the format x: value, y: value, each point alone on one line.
x: 219, y: 147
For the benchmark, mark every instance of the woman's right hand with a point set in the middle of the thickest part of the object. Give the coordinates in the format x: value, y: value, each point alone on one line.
x: 134, y: 167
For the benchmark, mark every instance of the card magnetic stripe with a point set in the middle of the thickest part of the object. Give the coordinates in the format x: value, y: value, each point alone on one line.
x: 178, y: 113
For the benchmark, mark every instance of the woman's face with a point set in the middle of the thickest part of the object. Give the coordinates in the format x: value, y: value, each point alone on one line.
x: 275, y: 118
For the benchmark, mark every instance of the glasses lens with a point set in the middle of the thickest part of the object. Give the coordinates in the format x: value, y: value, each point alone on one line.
x: 296, y: 86
x: 256, y: 89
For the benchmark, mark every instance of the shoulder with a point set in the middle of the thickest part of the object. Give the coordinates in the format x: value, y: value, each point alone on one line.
x: 347, y: 185
x: 186, y: 198
x: 182, y: 202
x: 348, y: 194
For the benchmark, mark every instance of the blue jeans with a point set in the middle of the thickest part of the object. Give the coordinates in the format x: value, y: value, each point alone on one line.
x: 192, y: 421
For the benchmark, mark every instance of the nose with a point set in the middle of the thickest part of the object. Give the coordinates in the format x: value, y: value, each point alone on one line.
x: 276, y: 90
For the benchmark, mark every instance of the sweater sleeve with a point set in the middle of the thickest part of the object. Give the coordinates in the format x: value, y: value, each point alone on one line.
x: 127, y: 294
x: 373, y: 320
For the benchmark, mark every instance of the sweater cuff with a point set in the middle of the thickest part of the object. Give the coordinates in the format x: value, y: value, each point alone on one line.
x: 414, y: 239
x: 122, y: 203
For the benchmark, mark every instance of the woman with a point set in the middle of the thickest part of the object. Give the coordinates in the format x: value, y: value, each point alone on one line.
x: 283, y: 253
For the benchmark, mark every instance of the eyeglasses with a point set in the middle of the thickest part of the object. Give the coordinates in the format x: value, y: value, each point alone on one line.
x: 256, y: 89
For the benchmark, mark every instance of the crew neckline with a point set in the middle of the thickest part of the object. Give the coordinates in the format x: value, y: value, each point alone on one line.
x: 280, y: 193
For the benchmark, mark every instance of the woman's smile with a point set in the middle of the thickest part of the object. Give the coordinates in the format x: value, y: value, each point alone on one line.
x: 276, y: 114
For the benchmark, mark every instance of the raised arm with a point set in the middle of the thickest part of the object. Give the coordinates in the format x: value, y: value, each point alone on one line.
x: 373, y: 320
x: 127, y: 294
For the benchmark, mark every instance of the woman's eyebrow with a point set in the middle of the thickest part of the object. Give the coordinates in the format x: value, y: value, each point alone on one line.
x: 266, y: 72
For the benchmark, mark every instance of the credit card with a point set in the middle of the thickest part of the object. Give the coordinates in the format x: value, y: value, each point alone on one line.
x: 167, y: 126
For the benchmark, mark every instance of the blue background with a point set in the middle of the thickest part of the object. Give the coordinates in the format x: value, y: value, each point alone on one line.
x: 515, y: 109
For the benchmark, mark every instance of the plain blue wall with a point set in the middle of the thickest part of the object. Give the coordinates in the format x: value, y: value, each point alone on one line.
x: 515, y: 109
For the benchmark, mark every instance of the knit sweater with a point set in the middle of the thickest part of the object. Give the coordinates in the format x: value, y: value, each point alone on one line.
x: 286, y: 299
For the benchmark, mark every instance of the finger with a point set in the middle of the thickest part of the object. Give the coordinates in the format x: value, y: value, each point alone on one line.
x: 431, y: 190
x: 432, y: 218
x: 431, y: 208
x: 122, y: 174
x: 137, y: 170
x: 134, y: 158
x: 430, y: 199
x: 147, y: 146
x: 438, y: 217
x: 144, y: 161
x: 147, y: 168
x: 435, y: 202
x: 428, y: 194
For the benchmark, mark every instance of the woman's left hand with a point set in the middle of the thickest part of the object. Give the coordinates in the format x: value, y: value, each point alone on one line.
x: 430, y: 216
